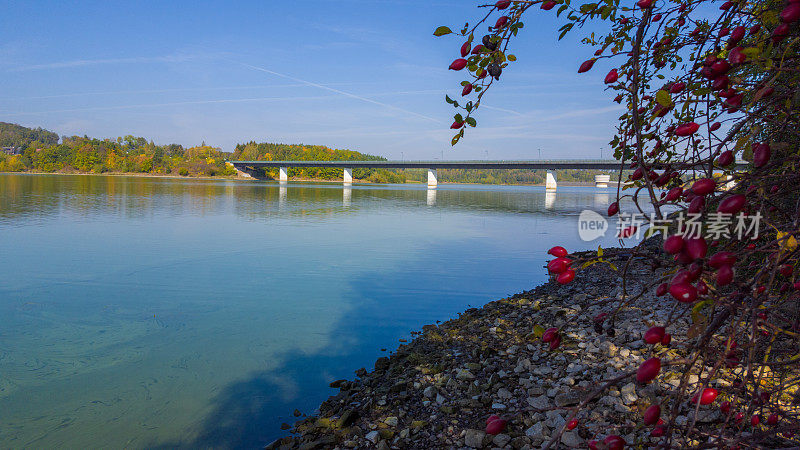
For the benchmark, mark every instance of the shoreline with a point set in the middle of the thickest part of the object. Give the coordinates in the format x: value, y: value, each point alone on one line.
x: 438, y: 390
x: 301, y: 180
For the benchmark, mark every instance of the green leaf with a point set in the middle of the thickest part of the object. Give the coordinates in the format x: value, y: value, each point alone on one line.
x: 599, y: 251
x: 455, y: 139
x: 458, y: 118
x: 511, y: 57
x: 471, y: 121
x: 441, y: 31
x: 538, y: 331
x: 448, y: 99
x: 663, y: 98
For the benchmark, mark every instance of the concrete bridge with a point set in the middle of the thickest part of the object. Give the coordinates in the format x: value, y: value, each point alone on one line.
x: 245, y: 168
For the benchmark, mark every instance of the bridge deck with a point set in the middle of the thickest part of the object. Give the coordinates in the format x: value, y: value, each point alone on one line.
x: 597, y: 164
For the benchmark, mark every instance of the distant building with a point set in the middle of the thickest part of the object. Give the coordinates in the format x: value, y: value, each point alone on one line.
x: 12, y: 150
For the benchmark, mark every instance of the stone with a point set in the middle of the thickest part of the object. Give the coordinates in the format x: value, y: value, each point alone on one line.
x: 464, y: 374
x: 572, y: 439
x: 391, y: 421
x: 347, y: 418
x: 474, y: 438
x: 567, y: 399
x: 498, y: 406
x: 540, y: 402
x: 382, y: 363
x: 504, y: 393
x: 429, y: 392
x: 628, y: 394
x: 373, y: 436
x: 501, y: 440
x: 440, y: 399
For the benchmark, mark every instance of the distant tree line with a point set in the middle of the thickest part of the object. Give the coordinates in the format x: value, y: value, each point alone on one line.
x: 42, y: 152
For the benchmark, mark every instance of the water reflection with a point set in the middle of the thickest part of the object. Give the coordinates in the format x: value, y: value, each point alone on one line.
x: 347, y: 194
x: 142, y: 312
x: 550, y: 199
x: 431, y: 198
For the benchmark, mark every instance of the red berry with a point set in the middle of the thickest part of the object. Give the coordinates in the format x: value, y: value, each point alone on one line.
x: 725, y: 158
x: 478, y: 48
x: 558, y: 265
x: 467, y: 89
x: 687, y: 129
x: 654, y: 335
x: 502, y: 4
x: 674, y: 244
x: 613, y: 209
x: 657, y: 432
x: 736, y: 35
x: 652, y: 414
x: 791, y: 13
x: 755, y: 420
x: 558, y: 251
x: 696, y: 248
x: 780, y: 32
x: 496, y: 426
x: 772, y: 419
x: 737, y: 56
x: 586, y: 66
x: 549, y: 334
x: 458, y: 64
x: 677, y: 87
x: 615, y: 442
x: 566, y: 277
x: 761, y: 154
x: 714, y: 126
x: 456, y: 125
x: 465, y: 48
x: 667, y: 339
x: 548, y: 5
x: 501, y: 22
x: 725, y: 407
x: 572, y: 424
x: 674, y: 194
x: 704, y: 186
x: 648, y: 370
x: 611, y: 77
x: 662, y: 289
x: 683, y: 292
x: 732, y: 204
x: 786, y: 270
x: 708, y: 396
x: 720, y: 259
x: 724, y: 275
x: 555, y: 342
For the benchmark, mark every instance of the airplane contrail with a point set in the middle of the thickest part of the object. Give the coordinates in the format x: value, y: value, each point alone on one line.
x: 337, y: 91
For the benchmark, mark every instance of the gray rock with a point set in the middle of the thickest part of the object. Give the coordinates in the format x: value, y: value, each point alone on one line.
x: 373, y: 436
x: 503, y: 393
x: 567, y: 399
x: 429, y: 392
x: 474, y: 438
x: 628, y: 394
x: 440, y: 399
x: 391, y: 421
x: 498, y: 406
x: 540, y: 402
x: 464, y: 374
x: 572, y: 439
x: 501, y: 440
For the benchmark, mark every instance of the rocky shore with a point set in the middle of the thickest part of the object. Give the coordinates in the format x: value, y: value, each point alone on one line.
x: 438, y: 390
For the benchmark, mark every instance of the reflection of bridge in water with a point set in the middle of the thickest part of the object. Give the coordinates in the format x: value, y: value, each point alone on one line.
x: 522, y: 199
x: 248, y: 168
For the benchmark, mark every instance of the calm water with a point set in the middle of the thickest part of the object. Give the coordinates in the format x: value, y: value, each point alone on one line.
x: 143, y: 312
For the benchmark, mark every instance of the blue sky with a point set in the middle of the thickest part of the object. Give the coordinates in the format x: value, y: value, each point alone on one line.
x: 367, y: 75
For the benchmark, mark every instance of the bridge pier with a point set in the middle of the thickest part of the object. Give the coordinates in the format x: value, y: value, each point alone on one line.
x: 432, y: 180
x: 601, y: 181
x: 348, y: 175
x: 283, y: 174
x: 550, y: 182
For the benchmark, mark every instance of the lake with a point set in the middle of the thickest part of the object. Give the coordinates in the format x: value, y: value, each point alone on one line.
x: 153, y: 312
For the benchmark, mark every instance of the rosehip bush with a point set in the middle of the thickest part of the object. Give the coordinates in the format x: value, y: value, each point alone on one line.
x: 712, y: 130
